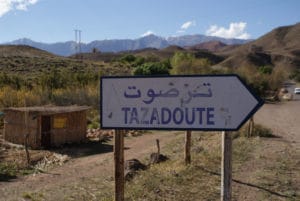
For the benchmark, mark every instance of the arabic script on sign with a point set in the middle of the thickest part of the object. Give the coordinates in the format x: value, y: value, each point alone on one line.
x: 151, y: 95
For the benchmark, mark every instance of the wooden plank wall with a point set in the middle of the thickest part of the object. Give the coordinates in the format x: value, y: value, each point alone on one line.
x: 75, y: 130
x: 15, y: 128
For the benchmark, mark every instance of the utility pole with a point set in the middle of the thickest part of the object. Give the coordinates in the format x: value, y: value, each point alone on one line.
x: 77, y: 41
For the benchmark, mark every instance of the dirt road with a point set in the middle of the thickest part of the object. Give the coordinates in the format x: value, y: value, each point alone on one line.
x: 59, y: 180
x: 273, y: 171
x: 283, y: 119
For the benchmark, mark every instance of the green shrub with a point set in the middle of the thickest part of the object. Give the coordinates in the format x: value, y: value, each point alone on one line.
x: 157, y: 68
x: 265, y: 69
x: 129, y: 58
x: 8, y: 171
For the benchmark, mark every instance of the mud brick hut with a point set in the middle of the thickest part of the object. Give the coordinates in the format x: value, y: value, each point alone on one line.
x: 46, y: 126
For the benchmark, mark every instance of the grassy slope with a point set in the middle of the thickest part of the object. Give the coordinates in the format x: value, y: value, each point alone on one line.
x: 28, y: 61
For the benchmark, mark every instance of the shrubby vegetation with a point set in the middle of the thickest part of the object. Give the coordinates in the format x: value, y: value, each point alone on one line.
x: 187, y: 63
x: 79, y: 85
x: 132, y: 60
x: 295, y: 75
x: 56, y: 87
x: 264, y: 79
x: 14, y: 81
x: 153, y: 68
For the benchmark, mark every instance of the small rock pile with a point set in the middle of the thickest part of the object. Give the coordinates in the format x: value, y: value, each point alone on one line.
x: 52, y: 159
x: 103, y: 135
x: 99, y: 134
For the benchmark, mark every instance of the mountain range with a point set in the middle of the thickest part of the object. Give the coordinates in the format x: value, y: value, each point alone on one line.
x: 278, y: 48
x: 150, y: 41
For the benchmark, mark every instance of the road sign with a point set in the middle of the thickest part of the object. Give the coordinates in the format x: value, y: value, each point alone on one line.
x: 210, y: 102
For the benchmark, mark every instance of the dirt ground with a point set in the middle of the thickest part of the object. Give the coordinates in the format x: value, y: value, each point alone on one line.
x: 256, y: 178
x: 282, y: 118
x: 95, y: 165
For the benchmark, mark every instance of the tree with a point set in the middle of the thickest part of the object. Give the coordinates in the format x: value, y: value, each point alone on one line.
x: 182, y: 63
x: 187, y: 63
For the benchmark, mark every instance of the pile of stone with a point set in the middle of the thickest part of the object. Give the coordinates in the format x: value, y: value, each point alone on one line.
x: 51, y: 160
x: 99, y: 134
x: 103, y: 135
x: 133, y: 133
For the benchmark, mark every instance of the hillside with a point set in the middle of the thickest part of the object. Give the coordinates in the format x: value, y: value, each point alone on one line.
x: 280, y: 47
x: 23, y: 51
x: 151, y: 54
x: 29, y: 61
x: 212, y: 46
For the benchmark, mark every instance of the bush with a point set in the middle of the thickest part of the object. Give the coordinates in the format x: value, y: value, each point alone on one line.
x: 265, y: 69
x: 129, y: 58
x: 13, y: 81
x: 138, y: 61
x: 157, y: 68
x: 8, y: 171
x: 295, y: 75
x: 187, y: 63
x: 258, y: 131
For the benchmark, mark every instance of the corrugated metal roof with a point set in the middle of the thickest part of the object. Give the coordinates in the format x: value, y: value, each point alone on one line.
x: 49, y: 109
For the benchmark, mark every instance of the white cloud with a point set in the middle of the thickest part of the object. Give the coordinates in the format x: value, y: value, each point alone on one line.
x: 187, y: 25
x: 8, y: 5
x: 147, y: 33
x: 235, y: 30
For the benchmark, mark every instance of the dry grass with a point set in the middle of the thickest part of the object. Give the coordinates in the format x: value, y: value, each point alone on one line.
x: 86, y: 95
x: 256, y: 173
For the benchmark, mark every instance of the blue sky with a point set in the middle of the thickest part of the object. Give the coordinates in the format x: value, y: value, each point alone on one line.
x: 55, y: 20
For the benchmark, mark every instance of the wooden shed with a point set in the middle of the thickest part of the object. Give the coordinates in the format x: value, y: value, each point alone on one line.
x: 46, y: 126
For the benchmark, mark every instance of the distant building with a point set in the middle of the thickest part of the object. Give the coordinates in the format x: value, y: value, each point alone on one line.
x: 47, y: 126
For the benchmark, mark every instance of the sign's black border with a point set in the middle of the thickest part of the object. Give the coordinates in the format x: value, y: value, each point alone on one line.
x: 260, y: 102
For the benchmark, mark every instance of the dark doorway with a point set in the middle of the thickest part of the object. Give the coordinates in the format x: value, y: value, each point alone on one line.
x: 46, y: 131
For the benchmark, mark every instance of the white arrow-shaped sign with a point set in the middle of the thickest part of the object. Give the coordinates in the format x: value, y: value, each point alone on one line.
x: 214, y: 102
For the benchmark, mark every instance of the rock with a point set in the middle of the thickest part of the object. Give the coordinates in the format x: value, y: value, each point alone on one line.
x: 132, y: 166
x: 287, y: 96
x: 157, y: 158
x: 284, y: 90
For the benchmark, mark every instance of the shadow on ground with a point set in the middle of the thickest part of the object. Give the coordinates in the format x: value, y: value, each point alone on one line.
x: 6, y: 177
x: 85, y: 149
x: 247, y: 184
